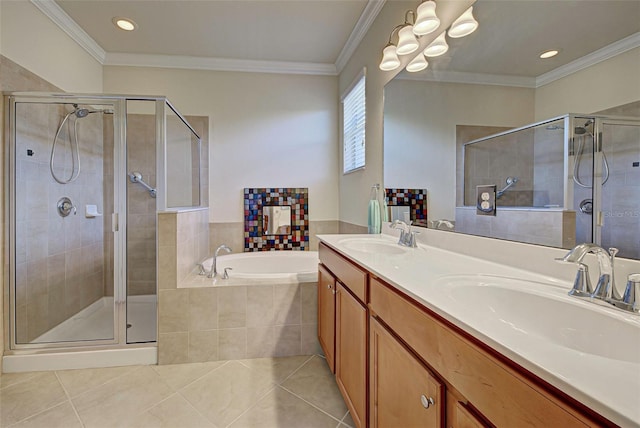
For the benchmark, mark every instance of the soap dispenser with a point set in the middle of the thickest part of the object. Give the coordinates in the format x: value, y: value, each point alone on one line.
x: 373, y: 215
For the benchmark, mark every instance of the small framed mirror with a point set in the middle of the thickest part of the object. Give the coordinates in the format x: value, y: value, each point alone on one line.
x: 276, y: 220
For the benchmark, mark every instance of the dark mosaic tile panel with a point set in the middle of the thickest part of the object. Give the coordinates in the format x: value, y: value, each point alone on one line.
x: 256, y: 198
x: 414, y: 198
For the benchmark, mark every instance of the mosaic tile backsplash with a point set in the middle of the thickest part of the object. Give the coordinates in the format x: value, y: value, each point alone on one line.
x: 255, y: 237
x: 414, y: 198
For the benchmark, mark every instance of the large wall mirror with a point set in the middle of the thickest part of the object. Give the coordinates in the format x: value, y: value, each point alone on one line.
x: 493, y: 81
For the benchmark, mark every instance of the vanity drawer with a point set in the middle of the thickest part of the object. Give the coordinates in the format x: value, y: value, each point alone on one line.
x: 500, y: 393
x: 353, y: 277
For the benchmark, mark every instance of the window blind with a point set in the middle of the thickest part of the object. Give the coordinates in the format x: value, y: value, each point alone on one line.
x: 353, y: 137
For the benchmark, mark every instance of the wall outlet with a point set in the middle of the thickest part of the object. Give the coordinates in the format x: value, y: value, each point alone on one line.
x: 486, y: 200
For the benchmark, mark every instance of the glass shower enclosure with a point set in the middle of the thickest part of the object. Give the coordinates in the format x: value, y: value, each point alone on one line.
x: 562, y: 181
x: 86, y: 177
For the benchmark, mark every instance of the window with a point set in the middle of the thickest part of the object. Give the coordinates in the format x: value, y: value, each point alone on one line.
x: 353, y: 121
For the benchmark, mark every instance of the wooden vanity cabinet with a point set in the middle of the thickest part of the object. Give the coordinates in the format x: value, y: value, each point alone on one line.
x: 351, y: 331
x: 327, y: 315
x: 499, y: 392
x: 404, y: 393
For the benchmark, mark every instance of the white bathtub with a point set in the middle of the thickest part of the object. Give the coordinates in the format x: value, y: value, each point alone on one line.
x: 289, y: 266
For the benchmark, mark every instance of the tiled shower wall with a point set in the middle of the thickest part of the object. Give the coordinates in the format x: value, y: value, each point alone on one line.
x: 554, y: 228
x: 59, y: 260
x: 491, y: 162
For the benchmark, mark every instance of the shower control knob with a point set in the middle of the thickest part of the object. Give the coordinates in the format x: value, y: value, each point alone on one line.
x: 65, y: 207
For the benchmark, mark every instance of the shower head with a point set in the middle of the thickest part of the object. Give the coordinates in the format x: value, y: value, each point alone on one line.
x: 84, y: 112
x: 81, y: 112
x: 581, y: 130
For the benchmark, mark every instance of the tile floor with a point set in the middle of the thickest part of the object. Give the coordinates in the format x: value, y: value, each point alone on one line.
x: 267, y: 392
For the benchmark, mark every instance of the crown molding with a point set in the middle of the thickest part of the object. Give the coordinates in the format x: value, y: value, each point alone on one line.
x: 369, y: 14
x: 218, y: 64
x: 616, y: 48
x: 471, y: 78
x: 54, y: 12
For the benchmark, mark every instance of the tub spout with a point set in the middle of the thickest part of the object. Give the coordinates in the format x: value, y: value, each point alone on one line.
x: 214, y: 271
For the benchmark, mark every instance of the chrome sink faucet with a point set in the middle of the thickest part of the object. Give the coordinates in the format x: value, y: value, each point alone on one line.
x: 606, y: 289
x: 407, y: 236
x: 214, y: 270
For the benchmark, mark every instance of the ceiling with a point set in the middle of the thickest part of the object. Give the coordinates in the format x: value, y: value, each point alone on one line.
x: 320, y: 35
x: 301, y: 31
x: 512, y: 34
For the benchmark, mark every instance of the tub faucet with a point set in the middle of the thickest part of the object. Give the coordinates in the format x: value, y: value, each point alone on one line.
x: 606, y: 288
x: 214, y: 271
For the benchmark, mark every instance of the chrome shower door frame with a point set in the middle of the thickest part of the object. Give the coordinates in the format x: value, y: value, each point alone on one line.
x: 119, y: 225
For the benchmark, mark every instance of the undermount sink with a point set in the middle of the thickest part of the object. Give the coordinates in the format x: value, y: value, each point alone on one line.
x: 373, y: 245
x: 545, y: 311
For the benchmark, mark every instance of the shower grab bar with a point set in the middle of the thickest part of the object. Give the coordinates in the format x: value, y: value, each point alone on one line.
x: 510, y: 182
x: 136, y: 177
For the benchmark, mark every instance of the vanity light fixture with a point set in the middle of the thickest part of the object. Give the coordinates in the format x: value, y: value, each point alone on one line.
x: 426, y: 19
x: 438, y: 47
x: 407, y: 42
x: 124, y: 23
x: 549, y: 54
x: 419, y: 63
x: 464, y: 25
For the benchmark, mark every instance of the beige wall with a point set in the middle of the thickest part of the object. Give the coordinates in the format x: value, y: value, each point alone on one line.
x: 607, y: 84
x: 32, y: 40
x: 264, y: 130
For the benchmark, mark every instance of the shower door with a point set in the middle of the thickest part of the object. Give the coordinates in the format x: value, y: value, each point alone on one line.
x: 618, y: 166
x: 63, y: 191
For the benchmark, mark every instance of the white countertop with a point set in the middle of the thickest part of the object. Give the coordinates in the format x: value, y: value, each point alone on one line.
x: 611, y: 387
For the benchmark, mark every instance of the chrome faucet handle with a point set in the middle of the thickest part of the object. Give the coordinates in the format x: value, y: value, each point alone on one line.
x: 201, y: 269
x: 582, y: 284
x: 225, y: 275
x: 631, y: 298
x: 412, y: 242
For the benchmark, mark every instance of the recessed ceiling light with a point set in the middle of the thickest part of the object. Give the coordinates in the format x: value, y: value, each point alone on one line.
x: 549, y: 54
x: 124, y: 23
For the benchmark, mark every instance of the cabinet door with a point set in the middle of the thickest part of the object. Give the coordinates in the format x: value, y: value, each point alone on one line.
x: 403, y: 392
x: 327, y: 315
x: 466, y: 419
x: 351, y: 354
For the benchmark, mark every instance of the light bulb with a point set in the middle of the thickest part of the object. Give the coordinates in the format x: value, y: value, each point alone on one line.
x: 426, y: 21
x: 390, y: 60
x: 438, y: 47
x: 407, y: 42
x: 124, y: 23
x: 419, y: 63
x: 464, y: 25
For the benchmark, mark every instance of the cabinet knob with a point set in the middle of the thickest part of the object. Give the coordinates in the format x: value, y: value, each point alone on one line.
x: 427, y: 402
x: 329, y: 286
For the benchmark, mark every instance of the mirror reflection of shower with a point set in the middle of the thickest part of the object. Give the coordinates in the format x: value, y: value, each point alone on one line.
x: 77, y: 113
x: 511, y: 181
x: 136, y: 177
x: 581, y: 133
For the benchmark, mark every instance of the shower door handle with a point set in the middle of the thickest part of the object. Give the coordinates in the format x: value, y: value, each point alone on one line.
x: 114, y: 222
